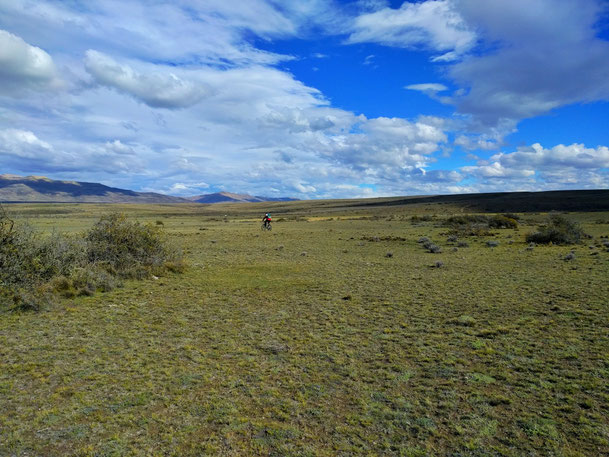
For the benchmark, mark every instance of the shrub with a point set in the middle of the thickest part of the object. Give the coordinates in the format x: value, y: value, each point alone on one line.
x: 86, y: 281
x: 59, y: 255
x: 558, y: 230
x: 479, y: 225
x: 432, y: 247
x: 125, y: 246
x: 425, y: 218
x: 16, y: 256
x: 24, y: 265
x: 32, y: 268
x: 502, y: 221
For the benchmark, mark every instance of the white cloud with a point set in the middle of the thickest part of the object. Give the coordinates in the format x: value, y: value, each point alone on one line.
x: 427, y: 87
x: 23, y: 66
x: 560, y: 165
x: 544, y: 54
x: 497, y: 170
x: 511, y: 59
x: 383, y: 148
x: 573, y: 156
x: 235, y: 118
x: 23, y: 150
x: 184, y: 189
x: 22, y: 144
x: 479, y: 142
x: 159, y: 90
x: 435, y: 25
x: 214, y: 32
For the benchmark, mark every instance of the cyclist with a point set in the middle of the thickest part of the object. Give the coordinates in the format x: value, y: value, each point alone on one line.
x: 267, y: 220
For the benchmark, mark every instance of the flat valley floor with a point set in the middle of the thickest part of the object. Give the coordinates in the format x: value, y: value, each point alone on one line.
x: 335, y: 334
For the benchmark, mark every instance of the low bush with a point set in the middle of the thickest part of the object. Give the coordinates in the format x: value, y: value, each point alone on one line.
x: 34, y: 268
x: 432, y: 247
x: 558, y: 230
x: 501, y: 221
x: 123, y: 245
x: 425, y: 218
x: 479, y: 225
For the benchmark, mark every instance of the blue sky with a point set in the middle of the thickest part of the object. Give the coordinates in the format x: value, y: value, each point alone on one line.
x: 308, y: 99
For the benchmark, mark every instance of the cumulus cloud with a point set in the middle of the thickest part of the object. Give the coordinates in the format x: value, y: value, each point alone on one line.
x: 383, y: 147
x: 561, y: 156
x: 23, y: 150
x: 544, y: 55
x: 435, y: 25
x: 160, y: 90
x: 483, y: 142
x: 511, y: 60
x: 23, y: 144
x: 23, y: 66
x: 559, y: 165
x: 232, y: 116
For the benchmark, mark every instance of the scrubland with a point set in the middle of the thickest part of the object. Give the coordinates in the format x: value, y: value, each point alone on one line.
x: 339, y: 333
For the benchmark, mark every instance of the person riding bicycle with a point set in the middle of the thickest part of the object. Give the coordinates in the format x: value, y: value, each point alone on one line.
x: 267, y: 219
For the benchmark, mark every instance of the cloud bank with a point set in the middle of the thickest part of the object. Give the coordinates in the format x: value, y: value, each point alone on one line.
x: 184, y: 97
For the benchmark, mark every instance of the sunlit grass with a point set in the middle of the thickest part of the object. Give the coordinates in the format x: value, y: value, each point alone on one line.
x: 258, y: 349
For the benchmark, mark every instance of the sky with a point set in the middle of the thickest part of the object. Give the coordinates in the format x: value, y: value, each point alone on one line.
x: 307, y: 98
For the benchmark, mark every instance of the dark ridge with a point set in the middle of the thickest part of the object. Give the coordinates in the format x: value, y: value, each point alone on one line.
x: 558, y: 200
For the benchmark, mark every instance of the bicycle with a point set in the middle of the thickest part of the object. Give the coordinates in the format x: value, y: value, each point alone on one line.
x: 266, y: 226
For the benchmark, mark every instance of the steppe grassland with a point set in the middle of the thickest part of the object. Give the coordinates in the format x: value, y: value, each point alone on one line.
x: 334, y: 334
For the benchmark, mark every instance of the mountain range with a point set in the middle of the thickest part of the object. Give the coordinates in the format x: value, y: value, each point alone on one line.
x: 39, y: 189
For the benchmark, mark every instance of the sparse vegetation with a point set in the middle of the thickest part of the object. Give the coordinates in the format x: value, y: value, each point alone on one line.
x: 421, y: 218
x: 432, y: 247
x: 479, y: 225
x: 257, y: 351
x: 569, y: 256
x: 558, y: 230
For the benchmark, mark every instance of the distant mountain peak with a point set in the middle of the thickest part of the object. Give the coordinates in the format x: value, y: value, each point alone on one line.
x: 229, y: 197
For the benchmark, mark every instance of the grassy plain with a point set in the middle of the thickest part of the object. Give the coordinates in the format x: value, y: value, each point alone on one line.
x: 335, y: 334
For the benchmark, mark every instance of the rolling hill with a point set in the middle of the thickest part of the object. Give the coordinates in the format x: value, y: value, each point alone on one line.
x: 40, y: 189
